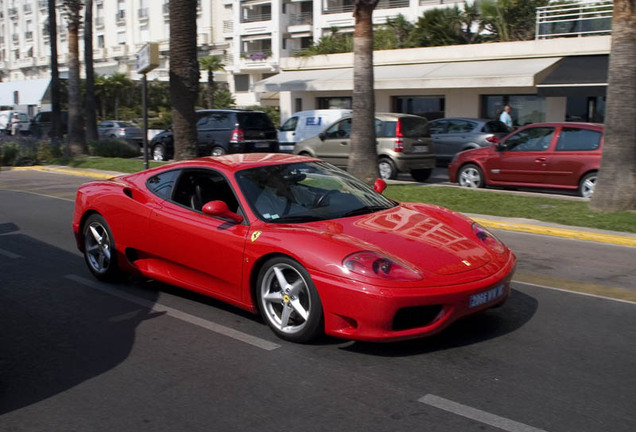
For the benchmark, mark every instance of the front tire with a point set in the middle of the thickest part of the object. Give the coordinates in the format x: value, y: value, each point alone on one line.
x: 587, y: 185
x: 288, y: 300
x: 100, y: 253
x: 471, y: 176
x: 387, y: 169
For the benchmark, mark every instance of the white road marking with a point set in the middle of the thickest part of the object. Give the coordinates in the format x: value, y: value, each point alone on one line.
x: 574, y: 292
x: 477, y: 415
x: 8, y: 254
x: 208, y: 325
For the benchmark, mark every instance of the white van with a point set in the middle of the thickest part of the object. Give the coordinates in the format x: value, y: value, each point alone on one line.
x: 7, y: 118
x: 306, y: 124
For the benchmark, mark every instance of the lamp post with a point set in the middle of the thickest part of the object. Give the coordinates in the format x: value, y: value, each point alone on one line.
x: 147, y: 60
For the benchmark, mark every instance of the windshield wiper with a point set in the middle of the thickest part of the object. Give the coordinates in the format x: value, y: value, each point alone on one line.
x: 297, y: 219
x: 364, y: 210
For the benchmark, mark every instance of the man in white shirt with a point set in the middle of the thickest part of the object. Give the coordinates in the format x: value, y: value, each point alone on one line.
x: 505, y: 116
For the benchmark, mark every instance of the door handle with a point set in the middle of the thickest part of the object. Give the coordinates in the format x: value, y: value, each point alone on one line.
x: 541, y: 159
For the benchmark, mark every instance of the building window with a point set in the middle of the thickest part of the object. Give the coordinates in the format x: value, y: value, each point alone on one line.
x: 526, y: 109
x: 430, y: 107
x: 335, y: 103
x: 121, y: 38
x: 241, y: 83
x: 100, y: 41
x: 585, y: 109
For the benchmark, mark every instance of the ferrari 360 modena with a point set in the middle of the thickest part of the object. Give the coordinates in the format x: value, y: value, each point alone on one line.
x: 305, y: 244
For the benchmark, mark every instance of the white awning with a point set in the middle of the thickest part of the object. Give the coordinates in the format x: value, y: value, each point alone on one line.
x: 473, y: 74
x: 29, y: 92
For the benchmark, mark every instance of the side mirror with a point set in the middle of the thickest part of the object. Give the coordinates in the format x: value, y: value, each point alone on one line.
x: 379, y: 186
x: 322, y: 136
x: 501, y: 146
x: 220, y: 209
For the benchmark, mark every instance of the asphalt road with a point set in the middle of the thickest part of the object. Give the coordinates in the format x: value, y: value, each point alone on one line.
x: 79, y: 355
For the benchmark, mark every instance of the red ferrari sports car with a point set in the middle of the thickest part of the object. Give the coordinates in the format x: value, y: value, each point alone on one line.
x: 307, y: 245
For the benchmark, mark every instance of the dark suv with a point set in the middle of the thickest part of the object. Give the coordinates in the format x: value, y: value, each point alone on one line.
x: 41, y: 124
x: 224, y: 131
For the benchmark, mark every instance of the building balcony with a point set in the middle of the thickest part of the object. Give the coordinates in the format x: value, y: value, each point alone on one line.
x: 338, y: 6
x: 119, y: 51
x: 574, y: 19
x: 256, y: 56
x: 25, y: 62
x: 228, y: 26
x: 304, y: 18
x: 256, y: 17
x: 120, y: 17
x: 392, y: 4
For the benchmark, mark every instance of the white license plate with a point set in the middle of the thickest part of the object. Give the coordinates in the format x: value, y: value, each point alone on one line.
x: 420, y: 149
x: 261, y: 145
x: 486, y: 296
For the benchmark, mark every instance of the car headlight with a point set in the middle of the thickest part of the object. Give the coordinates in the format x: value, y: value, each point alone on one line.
x: 377, y: 266
x: 491, y: 242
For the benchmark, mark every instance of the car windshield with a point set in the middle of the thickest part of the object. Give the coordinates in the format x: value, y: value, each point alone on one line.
x: 305, y: 192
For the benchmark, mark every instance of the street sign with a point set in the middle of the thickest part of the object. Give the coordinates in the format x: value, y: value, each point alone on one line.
x: 148, y: 58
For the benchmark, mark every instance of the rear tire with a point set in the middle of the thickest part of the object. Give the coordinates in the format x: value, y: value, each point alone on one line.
x: 471, y: 176
x: 587, y: 185
x: 387, y: 169
x: 100, y: 253
x: 421, y: 175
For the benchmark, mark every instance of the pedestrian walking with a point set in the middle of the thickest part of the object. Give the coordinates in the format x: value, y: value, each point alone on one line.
x: 505, y: 117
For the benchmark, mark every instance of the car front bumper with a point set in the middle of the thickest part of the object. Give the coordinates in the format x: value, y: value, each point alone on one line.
x: 379, y: 314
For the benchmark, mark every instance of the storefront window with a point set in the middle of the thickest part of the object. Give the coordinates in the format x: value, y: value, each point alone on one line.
x: 585, y: 109
x: 431, y: 107
x: 526, y: 109
x: 335, y: 103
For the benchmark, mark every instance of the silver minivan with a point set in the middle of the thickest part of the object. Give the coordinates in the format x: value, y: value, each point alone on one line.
x: 403, y: 142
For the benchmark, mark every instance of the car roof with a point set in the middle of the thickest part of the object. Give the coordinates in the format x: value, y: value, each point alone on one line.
x: 238, y: 161
x: 465, y: 118
x: 586, y: 125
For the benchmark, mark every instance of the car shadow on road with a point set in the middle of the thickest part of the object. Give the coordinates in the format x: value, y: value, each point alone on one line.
x: 55, y: 333
x: 490, y: 324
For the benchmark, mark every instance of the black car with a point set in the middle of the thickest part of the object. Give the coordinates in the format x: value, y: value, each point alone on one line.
x: 224, y: 131
x: 41, y: 124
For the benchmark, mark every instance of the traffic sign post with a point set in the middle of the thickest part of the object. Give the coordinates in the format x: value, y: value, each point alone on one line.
x: 147, y: 60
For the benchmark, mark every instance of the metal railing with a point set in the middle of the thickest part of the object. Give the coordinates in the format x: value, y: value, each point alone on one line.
x: 256, y: 17
x: 338, y: 9
x: 574, y: 19
x: 256, y: 55
x: 392, y: 4
x: 301, y: 18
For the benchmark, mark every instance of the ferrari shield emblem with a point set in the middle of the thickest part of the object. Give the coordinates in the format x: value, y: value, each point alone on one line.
x: 255, y: 235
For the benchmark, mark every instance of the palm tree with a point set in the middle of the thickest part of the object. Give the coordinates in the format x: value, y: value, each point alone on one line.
x: 56, y: 114
x: 91, y: 103
x: 616, y: 188
x: 116, y: 85
x: 211, y: 64
x: 76, y: 137
x: 184, y: 76
x: 363, y: 159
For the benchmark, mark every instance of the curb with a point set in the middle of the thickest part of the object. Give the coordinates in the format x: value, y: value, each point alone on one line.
x: 533, y: 227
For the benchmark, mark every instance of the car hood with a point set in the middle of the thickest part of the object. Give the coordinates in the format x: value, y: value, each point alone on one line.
x: 431, y: 239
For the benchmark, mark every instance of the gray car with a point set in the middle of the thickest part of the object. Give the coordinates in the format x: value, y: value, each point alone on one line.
x: 403, y: 145
x: 454, y: 135
x: 115, y: 129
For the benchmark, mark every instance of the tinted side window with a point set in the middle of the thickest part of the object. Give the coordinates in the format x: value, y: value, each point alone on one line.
x: 220, y: 121
x: 438, y: 127
x: 342, y: 129
x: 254, y: 120
x: 532, y: 139
x: 289, y: 125
x: 195, y: 188
x: 460, y: 126
x: 495, y: 127
x: 414, y: 127
x: 574, y: 139
x: 163, y: 184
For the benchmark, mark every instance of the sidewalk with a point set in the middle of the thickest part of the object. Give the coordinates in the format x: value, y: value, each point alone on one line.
x: 496, y: 222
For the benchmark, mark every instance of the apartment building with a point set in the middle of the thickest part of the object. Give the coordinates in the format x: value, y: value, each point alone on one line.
x: 258, y: 40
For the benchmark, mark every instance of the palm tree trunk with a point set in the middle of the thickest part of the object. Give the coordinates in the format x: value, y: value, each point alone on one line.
x: 184, y: 76
x: 616, y: 186
x: 76, y: 137
x: 56, y: 115
x: 91, y: 103
x: 210, y: 89
x: 363, y: 157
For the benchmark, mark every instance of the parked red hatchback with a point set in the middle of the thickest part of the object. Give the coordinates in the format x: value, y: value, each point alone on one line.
x: 541, y: 155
